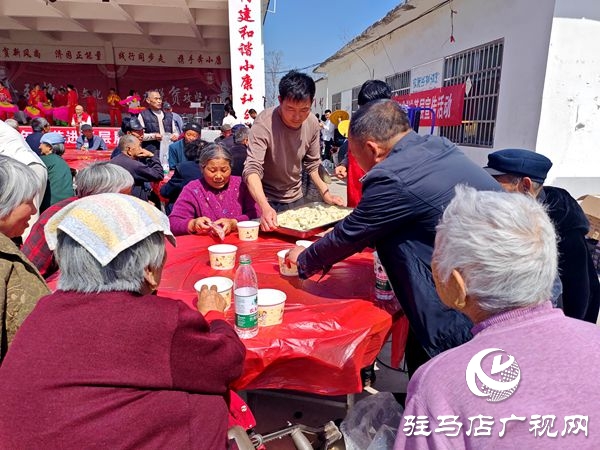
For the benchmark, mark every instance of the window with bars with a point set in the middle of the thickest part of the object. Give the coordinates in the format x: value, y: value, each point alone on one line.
x: 480, y: 68
x: 336, y: 101
x: 400, y: 83
x: 355, y: 91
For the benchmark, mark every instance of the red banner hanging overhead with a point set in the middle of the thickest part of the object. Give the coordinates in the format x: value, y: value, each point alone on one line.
x: 447, y: 102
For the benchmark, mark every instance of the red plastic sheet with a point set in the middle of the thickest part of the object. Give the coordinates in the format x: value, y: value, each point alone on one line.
x: 78, y: 159
x: 331, y: 328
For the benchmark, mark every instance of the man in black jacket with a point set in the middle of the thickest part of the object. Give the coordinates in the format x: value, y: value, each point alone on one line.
x: 156, y: 122
x: 410, y: 180
x: 142, y: 164
x: 525, y: 171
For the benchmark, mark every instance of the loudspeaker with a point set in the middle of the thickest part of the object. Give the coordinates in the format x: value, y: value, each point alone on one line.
x: 217, y: 113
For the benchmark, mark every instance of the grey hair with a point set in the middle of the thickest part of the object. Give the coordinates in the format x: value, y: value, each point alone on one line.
x: 58, y: 149
x: 13, y: 123
x: 240, y: 134
x: 39, y: 123
x: 504, y: 246
x: 379, y: 120
x: 125, y: 140
x: 18, y: 184
x: 102, y: 177
x: 81, y: 272
x: 516, y: 179
x: 214, y: 151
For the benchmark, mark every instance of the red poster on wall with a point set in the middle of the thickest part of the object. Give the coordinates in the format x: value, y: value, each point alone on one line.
x: 447, y: 102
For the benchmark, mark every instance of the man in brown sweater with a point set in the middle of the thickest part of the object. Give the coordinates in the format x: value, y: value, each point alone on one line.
x: 283, y: 140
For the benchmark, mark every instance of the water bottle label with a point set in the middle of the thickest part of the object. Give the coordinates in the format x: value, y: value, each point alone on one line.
x: 246, y: 311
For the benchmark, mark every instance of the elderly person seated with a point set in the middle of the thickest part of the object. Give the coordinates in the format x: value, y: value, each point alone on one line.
x: 97, y: 178
x: 218, y: 199
x: 191, y: 133
x: 88, y: 140
x: 143, y: 165
x: 60, y: 179
x: 103, y: 362
x: 524, y: 171
x: 529, y: 370
x: 20, y: 283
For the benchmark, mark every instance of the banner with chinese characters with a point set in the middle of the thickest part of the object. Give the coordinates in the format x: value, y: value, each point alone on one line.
x: 247, y: 56
x: 170, y: 58
x: 47, y: 53
x: 110, y: 135
x: 447, y: 102
x: 178, y: 85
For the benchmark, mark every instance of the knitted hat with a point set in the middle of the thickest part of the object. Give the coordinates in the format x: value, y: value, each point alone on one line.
x: 107, y: 224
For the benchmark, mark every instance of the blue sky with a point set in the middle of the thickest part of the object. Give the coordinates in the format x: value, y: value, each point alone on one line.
x: 309, y: 31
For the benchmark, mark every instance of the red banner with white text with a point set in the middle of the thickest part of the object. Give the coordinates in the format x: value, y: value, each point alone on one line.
x: 447, y: 102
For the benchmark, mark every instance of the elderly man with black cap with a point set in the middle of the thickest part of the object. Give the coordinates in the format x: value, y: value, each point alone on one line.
x: 226, y: 137
x: 191, y: 133
x: 88, y: 140
x: 525, y: 171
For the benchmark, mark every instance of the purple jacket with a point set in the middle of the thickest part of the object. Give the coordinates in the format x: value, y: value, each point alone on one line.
x: 198, y: 199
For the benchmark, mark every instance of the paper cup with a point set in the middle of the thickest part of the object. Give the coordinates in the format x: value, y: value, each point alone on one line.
x: 303, y: 243
x: 224, y: 287
x: 283, y: 268
x: 271, y: 303
x: 248, y: 230
x: 222, y: 256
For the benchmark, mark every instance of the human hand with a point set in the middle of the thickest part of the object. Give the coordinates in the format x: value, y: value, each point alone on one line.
x: 268, y: 219
x: 333, y: 199
x: 199, y: 224
x: 210, y: 300
x: 292, y: 256
x: 174, y: 137
x: 144, y: 153
x: 341, y: 172
x: 158, y: 136
x: 227, y: 225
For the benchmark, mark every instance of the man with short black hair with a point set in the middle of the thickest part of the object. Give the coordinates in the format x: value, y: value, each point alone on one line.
x: 284, y: 140
x: 524, y: 171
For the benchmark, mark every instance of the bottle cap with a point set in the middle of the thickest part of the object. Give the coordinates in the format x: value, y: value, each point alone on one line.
x: 245, y: 259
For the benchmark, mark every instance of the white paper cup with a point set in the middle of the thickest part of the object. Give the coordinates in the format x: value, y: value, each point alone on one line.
x: 222, y: 256
x: 224, y: 287
x: 248, y: 230
x: 271, y: 303
x: 303, y: 243
x: 283, y: 268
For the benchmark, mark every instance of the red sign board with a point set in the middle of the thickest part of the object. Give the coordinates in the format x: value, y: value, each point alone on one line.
x: 447, y: 102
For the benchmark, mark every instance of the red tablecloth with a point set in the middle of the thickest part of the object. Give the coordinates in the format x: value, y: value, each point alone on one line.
x: 331, y: 328
x: 78, y: 159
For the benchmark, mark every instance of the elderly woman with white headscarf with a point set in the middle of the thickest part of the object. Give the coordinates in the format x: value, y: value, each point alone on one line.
x: 97, y: 178
x: 103, y: 362
x: 21, y: 285
x: 529, y: 373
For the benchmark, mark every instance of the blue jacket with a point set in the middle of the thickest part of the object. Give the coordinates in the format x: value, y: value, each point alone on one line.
x: 402, y: 202
x: 177, y: 153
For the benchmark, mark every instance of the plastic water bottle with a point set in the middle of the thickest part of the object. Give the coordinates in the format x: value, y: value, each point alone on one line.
x: 245, y: 290
x: 383, y: 288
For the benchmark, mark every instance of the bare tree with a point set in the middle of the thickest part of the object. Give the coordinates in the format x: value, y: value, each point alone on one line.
x: 273, y: 73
